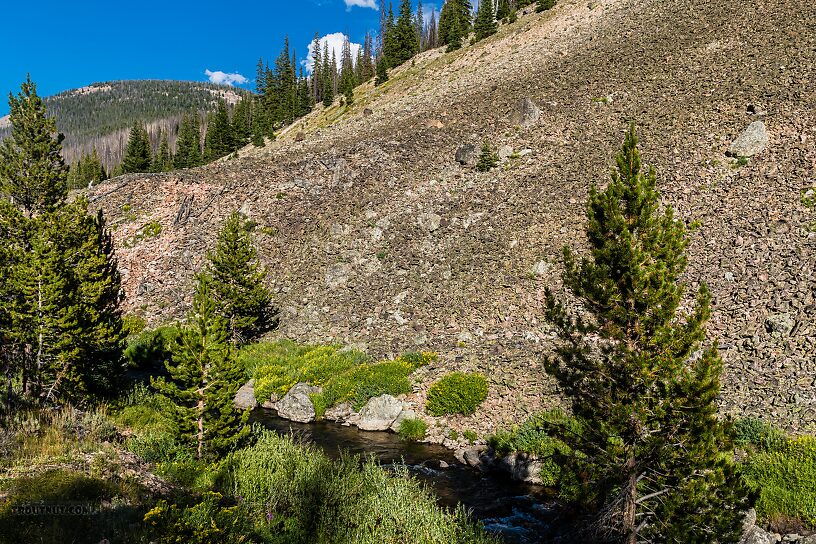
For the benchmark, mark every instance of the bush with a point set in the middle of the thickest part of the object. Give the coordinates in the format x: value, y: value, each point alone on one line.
x: 533, y: 438
x: 211, y: 521
x: 133, y: 324
x: 457, y: 393
x: 151, y: 348
x: 154, y: 446
x: 412, y: 429
x: 785, y: 480
x: 308, y: 498
x: 344, y: 375
x: 755, y: 432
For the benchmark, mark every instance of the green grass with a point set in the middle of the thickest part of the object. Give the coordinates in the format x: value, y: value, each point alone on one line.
x: 457, y: 393
x: 307, y: 498
x: 344, y: 375
x: 781, y: 470
x: 412, y: 430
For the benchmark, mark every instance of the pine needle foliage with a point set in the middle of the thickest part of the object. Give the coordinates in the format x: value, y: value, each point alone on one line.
x: 204, y: 378
x: 485, y: 24
x: 237, y: 283
x: 488, y: 159
x: 653, y: 459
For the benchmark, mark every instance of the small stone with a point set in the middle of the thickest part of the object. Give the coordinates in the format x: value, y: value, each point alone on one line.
x: 779, y: 323
x: 368, y: 112
x: 505, y: 152
x: 526, y: 114
x: 300, y: 136
x: 429, y: 221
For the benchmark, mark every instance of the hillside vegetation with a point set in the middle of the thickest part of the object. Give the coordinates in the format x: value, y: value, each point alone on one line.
x: 100, y: 115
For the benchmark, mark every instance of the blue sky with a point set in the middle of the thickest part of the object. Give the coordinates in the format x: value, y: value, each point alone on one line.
x: 67, y: 44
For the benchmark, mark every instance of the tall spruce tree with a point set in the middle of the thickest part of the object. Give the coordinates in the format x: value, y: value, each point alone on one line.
x: 188, y: 144
x: 163, y: 160
x: 328, y: 72
x: 485, y: 23
x: 382, y: 71
x: 60, y: 308
x: 366, y: 64
x: 419, y: 27
x: 653, y: 458
x: 204, y: 376
x: 219, y: 140
x: 390, y: 40
x: 502, y: 10
x: 347, y: 78
x: 317, y: 70
x: 454, y: 22
x: 138, y: 156
x: 32, y: 172
x: 405, y: 36
x: 237, y: 283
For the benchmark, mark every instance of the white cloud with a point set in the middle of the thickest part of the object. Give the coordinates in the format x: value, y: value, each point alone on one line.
x: 362, y: 4
x: 225, y: 79
x: 335, y: 42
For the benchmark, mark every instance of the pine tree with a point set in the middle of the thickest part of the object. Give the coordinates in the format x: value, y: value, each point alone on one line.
x: 138, y: 157
x: 317, y: 70
x: 653, y: 457
x: 382, y: 71
x: 347, y: 79
x: 204, y: 378
x: 242, y: 122
x: 188, y: 145
x: 487, y: 159
x: 219, y: 141
x: 405, y: 37
x: 328, y: 77
x: 237, y: 283
x: 32, y: 172
x: 390, y: 39
x: 503, y: 10
x: 432, y: 40
x: 454, y: 23
x: 366, y: 64
x: 304, y: 95
x: 163, y: 160
x: 485, y: 24
x: 419, y: 28
x: 544, y: 5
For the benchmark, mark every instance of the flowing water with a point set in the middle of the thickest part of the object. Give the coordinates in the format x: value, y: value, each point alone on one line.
x: 521, y: 513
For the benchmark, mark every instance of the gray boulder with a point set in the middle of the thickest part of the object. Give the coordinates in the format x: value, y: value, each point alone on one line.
x: 756, y: 535
x: 245, y: 397
x: 405, y: 414
x: 522, y: 467
x: 340, y: 412
x: 526, y: 114
x: 467, y: 155
x: 379, y: 413
x: 752, y: 141
x: 296, y: 404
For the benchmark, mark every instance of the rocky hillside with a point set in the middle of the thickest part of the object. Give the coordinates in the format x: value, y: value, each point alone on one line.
x: 374, y: 234
x: 100, y: 115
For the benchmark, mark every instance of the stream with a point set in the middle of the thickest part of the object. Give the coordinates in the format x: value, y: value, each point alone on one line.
x: 518, y: 512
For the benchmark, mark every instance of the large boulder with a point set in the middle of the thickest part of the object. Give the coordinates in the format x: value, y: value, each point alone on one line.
x: 379, y: 413
x: 526, y: 114
x: 757, y: 535
x: 522, y: 467
x: 752, y: 141
x: 405, y: 414
x: 467, y: 154
x: 245, y: 397
x: 296, y: 404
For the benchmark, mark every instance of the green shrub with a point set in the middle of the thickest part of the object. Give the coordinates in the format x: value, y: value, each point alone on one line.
x: 154, y: 446
x: 133, y: 324
x: 412, y: 429
x: 151, y: 348
x: 755, y: 432
x: 784, y: 477
x: 457, y: 393
x: 533, y: 438
x: 308, y: 498
x: 344, y: 375
x: 213, y: 520
x: 470, y: 436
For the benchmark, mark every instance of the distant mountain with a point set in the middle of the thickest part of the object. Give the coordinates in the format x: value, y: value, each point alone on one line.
x: 100, y: 115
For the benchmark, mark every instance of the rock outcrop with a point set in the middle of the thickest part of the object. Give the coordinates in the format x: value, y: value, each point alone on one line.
x: 245, y: 397
x: 752, y: 141
x: 379, y: 413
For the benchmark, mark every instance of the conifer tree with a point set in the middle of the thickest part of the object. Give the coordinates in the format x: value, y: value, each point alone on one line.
x: 390, y: 39
x: 219, y: 140
x: 432, y: 39
x: 304, y: 96
x: 317, y: 70
x: 328, y: 77
x: 503, y: 10
x: 366, y: 63
x: 652, y: 460
x: 485, y: 23
x: 237, y: 283
x: 544, y: 5
x: 382, y: 71
x: 487, y: 159
x: 32, y: 172
x: 163, y: 160
x: 347, y: 79
x: 419, y: 28
x: 405, y: 37
x: 188, y: 145
x: 454, y: 23
x: 138, y: 156
x: 242, y: 122
x: 204, y: 378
